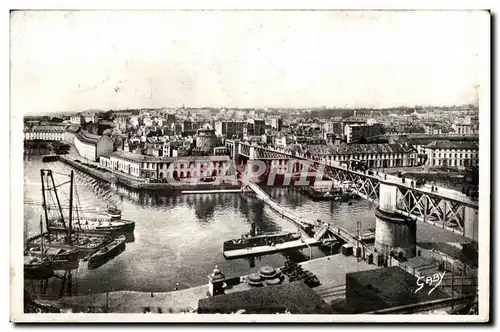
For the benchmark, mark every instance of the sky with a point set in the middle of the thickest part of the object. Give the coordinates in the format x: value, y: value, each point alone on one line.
x: 72, y: 61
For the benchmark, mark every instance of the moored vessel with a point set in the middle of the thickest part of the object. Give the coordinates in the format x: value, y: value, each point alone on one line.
x: 38, y: 267
x: 53, y: 253
x: 107, y: 252
x: 99, y: 225
x: 271, y: 239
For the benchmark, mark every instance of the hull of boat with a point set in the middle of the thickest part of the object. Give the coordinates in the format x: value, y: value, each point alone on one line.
x: 43, y: 270
x: 125, y: 228
x: 260, y: 241
x: 69, y: 256
x: 122, y: 227
x: 64, y: 259
x: 99, y: 258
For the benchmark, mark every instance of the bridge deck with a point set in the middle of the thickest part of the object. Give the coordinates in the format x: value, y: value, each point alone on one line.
x: 391, y: 179
x: 301, y: 222
x: 440, y: 193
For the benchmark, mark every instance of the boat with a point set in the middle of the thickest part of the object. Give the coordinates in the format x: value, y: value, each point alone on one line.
x: 108, y: 222
x: 102, y: 225
x: 38, y: 267
x: 260, y: 240
x: 52, y: 252
x: 318, y: 195
x: 107, y: 252
x: 107, y: 225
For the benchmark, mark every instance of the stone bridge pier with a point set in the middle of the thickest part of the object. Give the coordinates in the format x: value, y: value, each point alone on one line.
x: 393, y: 230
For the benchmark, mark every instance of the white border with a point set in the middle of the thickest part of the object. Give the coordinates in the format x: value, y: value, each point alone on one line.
x: 16, y: 177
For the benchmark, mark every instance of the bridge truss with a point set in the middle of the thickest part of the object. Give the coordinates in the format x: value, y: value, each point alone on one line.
x: 420, y: 204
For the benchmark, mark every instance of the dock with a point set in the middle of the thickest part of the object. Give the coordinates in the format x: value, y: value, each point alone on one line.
x: 215, y: 191
x: 303, y: 224
x: 266, y: 249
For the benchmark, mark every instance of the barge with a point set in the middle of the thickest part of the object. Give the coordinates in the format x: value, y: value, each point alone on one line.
x: 260, y: 240
x: 106, y: 253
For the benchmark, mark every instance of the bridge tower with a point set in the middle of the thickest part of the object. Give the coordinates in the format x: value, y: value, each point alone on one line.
x: 393, y: 230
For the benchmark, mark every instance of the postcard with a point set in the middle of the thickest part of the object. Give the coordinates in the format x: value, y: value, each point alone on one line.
x: 250, y: 165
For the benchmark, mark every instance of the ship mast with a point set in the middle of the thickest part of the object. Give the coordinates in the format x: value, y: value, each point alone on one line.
x: 57, y: 198
x: 42, y: 176
x: 70, y: 224
x: 41, y: 236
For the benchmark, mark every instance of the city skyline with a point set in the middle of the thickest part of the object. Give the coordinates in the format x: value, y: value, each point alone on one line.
x: 242, y: 59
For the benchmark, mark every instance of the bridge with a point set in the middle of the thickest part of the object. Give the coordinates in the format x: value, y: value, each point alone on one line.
x: 314, y: 232
x: 299, y: 221
x: 399, y: 203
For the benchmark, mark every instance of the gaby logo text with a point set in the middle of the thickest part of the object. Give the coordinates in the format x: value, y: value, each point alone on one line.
x: 435, y: 280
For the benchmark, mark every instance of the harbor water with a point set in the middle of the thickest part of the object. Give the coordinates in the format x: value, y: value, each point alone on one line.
x: 178, y: 239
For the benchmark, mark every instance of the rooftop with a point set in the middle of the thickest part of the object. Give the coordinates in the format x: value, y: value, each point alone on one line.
x: 73, y: 129
x: 394, y: 286
x: 358, y: 149
x: 151, y: 159
x: 453, y: 145
x: 295, y: 297
x: 45, y: 128
x: 470, y: 259
x: 86, y: 137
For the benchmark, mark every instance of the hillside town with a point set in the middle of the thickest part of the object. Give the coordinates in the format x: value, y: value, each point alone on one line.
x: 429, y: 156
x: 438, y: 140
x: 178, y: 163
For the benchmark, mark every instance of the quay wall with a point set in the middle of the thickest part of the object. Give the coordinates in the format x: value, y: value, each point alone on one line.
x: 100, y: 175
x: 141, y: 184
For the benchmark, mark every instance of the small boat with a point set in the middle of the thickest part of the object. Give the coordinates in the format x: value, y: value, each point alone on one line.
x: 260, y: 240
x: 38, y: 267
x: 125, y: 226
x: 54, y: 253
x: 107, y: 252
x: 102, y: 225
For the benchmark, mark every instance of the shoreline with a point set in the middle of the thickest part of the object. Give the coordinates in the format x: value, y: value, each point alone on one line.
x: 117, y: 178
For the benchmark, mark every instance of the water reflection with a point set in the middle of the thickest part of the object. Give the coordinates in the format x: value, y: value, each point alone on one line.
x: 179, y: 238
x: 204, y: 208
x: 62, y: 283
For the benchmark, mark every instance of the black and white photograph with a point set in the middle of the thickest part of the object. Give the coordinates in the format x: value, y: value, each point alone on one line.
x: 250, y: 165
